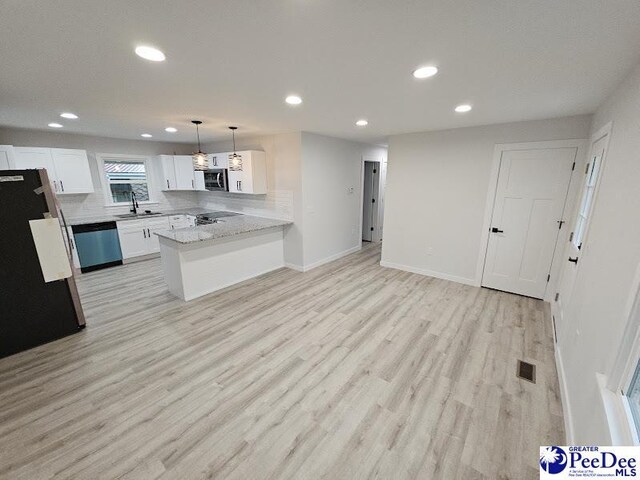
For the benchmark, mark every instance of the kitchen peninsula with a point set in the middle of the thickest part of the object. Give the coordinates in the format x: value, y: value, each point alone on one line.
x: 202, y: 259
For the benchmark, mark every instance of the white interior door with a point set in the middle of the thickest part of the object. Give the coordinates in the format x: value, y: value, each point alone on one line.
x: 578, y: 234
x: 530, y: 198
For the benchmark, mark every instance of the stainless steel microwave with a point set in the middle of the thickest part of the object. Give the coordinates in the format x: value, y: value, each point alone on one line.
x: 216, y: 180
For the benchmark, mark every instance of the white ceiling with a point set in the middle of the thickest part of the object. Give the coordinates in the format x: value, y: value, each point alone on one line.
x: 233, y: 62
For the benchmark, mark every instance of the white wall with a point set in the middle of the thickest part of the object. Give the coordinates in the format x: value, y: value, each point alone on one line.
x: 332, y: 214
x: 93, y: 204
x: 284, y: 182
x: 608, y: 262
x: 308, y: 176
x: 437, y: 185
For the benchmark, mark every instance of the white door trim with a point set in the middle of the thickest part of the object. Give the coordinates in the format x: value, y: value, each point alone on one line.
x: 601, y: 133
x: 368, y: 158
x: 498, y: 150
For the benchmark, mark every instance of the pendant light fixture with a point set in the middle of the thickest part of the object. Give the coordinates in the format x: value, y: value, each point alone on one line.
x: 200, y: 161
x: 235, y: 160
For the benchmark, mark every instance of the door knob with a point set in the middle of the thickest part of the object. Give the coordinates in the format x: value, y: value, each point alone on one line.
x: 496, y: 230
x: 573, y: 260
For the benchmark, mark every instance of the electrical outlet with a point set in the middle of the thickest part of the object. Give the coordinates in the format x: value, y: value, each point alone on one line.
x: 429, y: 250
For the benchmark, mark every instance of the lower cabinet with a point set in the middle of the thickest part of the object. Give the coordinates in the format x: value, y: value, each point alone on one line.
x: 181, y: 221
x: 137, y: 237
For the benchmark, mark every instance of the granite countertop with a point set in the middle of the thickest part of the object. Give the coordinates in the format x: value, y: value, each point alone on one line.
x: 114, y: 218
x: 227, y: 227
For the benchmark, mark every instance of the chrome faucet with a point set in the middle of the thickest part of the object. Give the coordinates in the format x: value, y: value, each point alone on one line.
x: 134, y: 203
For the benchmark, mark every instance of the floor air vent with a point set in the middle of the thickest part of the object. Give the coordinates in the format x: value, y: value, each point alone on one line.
x: 526, y: 371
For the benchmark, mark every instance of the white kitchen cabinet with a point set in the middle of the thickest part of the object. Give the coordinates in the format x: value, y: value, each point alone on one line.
x: 178, y: 173
x: 133, y: 238
x: 178, y: 221
x: 182, y: 221
x: 155, y: 225
x: 72, y: 171
x: 33, y: 157
x: 185, y: 179
x: 198, y: 176
x: 249, y: 174
x: 219, y: 160
x: 137, y: 237
x: 68, y: 170
x: 168, y: 170
x: 6, y: 157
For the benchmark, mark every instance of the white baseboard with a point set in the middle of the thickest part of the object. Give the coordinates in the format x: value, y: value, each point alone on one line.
x: 293, y: 266
x: 311, y: 266
x: 430, y: 273
x: 140, y: 258
x: 564, y: 398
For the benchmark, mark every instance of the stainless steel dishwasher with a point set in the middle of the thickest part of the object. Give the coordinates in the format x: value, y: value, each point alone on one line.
x: 98, y: 245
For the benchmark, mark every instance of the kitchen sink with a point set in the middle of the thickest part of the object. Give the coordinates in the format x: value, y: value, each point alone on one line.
x: 139, y: 215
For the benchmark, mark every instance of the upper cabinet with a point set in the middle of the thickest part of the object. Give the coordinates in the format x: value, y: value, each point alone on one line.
x: 6, y: 157
x: 247, y: 176
x: 168, y: 172
x: 184, y: 172
x: 178, y: 173
x: 68, y: 169
x: 72, y: 170
x: 249, y: 173
x: 219, y: 160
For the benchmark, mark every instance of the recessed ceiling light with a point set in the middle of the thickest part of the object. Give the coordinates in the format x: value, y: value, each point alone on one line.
x: 69, y: 115
x: 425, y: 72
x: 362, y: 123
x: 146, y: 135
x: 293, y: 100
x: 55, y: 125
x: 171, y: 130
x: 463, y: 108
x: 150, y: 53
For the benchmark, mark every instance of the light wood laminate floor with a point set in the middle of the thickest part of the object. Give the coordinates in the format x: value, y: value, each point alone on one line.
x: 350, y: 371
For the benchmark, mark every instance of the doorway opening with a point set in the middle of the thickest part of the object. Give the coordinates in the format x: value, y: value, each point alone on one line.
x: 371, y: 201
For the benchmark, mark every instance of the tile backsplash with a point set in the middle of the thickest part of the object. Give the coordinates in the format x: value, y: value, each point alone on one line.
x: 275, y: 204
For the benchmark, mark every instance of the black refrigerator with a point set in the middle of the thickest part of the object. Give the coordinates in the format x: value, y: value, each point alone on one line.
x: 33, y: 311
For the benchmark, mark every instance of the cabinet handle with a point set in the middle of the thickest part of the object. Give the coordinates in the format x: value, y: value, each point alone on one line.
x: 192, y: 184
x: 168, y: 184
x: 215, y: 161
x: 148, y: 233
x: 144, y: 232
x: 62, y: 185
x: 55, y: 186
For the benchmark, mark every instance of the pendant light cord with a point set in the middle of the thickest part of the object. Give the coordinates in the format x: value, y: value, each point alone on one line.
x: 234, y: 141
x: 198, y: 134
